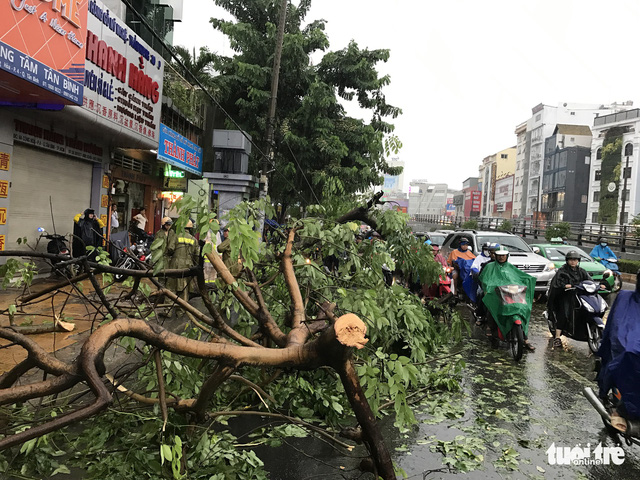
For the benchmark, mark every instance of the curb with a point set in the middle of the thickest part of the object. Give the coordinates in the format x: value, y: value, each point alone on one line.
x: 628, y: 277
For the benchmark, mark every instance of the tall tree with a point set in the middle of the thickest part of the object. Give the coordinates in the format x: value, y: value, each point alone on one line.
x: 319, y: 150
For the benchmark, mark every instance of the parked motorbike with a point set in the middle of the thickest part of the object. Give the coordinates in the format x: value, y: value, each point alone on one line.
x: 58, y: 246
x: 512, y: 300
x: 618, y: 399
x: 140, y: 251
x: 585, y: 319
x: 612, y: 264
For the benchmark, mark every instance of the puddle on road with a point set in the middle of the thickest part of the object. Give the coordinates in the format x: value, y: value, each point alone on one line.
x: 508, y: 414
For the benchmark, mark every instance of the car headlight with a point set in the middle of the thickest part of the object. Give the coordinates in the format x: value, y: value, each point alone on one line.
x: 550, y: 266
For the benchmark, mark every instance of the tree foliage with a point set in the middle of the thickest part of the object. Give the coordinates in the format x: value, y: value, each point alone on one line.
x: 319, y: 150
x: 610, y: 175
x: 265, y: 343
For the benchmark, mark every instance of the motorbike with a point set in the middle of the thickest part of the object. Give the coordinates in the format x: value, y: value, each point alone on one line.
x: 57, y: 245
x: 618, y: 398
x: 509, y: 318
x: 139, y: 252
x: 585, y: 318
x: 612, y: 265
x: 442, y: 290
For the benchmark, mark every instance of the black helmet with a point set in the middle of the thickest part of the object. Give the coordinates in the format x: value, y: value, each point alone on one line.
x: 572, y: 255
x: 486, y: 246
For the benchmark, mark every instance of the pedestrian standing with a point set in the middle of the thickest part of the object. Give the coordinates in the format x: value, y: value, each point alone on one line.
x: 168, y: 235
x: 87, y: 231
x: 141, y: 219
x: 115, y: 223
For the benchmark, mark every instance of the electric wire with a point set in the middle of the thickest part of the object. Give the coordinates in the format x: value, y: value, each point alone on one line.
x: 175, y: 57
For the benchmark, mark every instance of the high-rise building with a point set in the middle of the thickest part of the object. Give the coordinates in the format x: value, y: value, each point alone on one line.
x: 539, y: 127
x: 496, y: 173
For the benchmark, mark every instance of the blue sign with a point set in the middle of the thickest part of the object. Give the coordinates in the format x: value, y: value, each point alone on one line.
x: 179, y: 151
x: 33, y: 71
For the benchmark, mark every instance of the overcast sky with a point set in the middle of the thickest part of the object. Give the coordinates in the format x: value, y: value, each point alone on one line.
x: 466, y: 72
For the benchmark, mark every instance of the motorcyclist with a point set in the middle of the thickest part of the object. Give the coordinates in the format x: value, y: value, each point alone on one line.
x: 460, y: 253
x: 559, y: 303
x: 474, y: 287
x: 437, y: 256
x: 493, y: 268
x: 602, y: 251
x: 620, y: 350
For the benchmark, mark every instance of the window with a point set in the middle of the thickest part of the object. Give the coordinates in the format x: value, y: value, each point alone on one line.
x: 599, y: 154
x: 627, y: 172
x: 598, y: 174
x: 545, y: 201
x: 563, y: 160
x: 594, y: 217
x: 560, y: 198
x: 559, y: 179
x: 596, y: 196
x: 572, y: 113
x: 572, y: 139
x: 584, y: 199
x: 504, y: 155
x: 628, y: 150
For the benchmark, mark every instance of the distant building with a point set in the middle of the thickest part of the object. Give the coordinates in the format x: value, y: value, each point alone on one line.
x: 471, y: 190
x: 626, y: 187
x: 427, y: 198
x: 565, y: 181
x: 394, y: 184
x: 497, y: 170
x: 539, y: 127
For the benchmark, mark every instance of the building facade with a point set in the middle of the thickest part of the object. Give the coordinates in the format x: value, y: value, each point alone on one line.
x: 427, y: 198
x: 82, y: 125
x: 539, y: 127
x: 472, y: 193
x: 625, y: 183
x: 565, y: 180
x: 496, y: 173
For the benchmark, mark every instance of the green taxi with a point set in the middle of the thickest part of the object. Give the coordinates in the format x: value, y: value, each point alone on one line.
x: 555, y: 252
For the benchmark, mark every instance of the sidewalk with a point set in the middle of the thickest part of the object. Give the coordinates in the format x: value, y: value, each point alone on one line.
x: 67, y: 304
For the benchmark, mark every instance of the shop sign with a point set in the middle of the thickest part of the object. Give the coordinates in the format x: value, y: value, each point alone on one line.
x: 4, y: 160
x: 2, y: 243
x: 56, y: 142
x: 475, y: 201
x: 171, y: 183
x: 179, y: 151
x: 123, y: 75
x: 42, y: 42
x: 4, y: 189
x: 3, y: 216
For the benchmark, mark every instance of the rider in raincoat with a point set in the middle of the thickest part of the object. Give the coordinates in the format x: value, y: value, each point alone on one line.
x: 497, y: 274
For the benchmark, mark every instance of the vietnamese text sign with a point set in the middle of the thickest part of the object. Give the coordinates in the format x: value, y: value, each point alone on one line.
x: 3, y: 216
x: 504, y: 190
x: 42, y: 42
x: 56, y: 142
x: 475, y: 201
x: 123, y: 75
x: 177, y: 150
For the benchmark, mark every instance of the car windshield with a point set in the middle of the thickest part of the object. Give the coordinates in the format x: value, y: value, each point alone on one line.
x: 557, y: 254
x: 437, y: 238
x: 513, y: 243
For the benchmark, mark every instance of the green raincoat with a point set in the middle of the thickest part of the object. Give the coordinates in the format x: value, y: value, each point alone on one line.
x: 495, y: 275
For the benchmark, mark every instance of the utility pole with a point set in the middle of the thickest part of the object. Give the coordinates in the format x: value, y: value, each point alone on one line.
x: 271, y: 119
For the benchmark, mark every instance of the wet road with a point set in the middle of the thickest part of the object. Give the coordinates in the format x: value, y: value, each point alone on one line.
x: 510, y: 414
x: 499, y: 426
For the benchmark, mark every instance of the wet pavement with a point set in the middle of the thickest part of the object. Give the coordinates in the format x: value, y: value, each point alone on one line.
x: 500, y: 425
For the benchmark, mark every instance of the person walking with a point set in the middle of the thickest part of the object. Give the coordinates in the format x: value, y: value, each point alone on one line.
x: 183, y: 252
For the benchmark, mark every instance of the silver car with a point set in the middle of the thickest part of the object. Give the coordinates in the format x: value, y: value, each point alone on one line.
x: 520, y: 253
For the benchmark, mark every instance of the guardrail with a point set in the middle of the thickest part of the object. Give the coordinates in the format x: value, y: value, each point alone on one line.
x: 624, y: 238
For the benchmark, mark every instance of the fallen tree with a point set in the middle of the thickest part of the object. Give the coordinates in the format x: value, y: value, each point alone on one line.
x: 285, y: 313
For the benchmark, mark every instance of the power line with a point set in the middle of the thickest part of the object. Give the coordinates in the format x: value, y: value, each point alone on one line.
x: 143, y: 20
